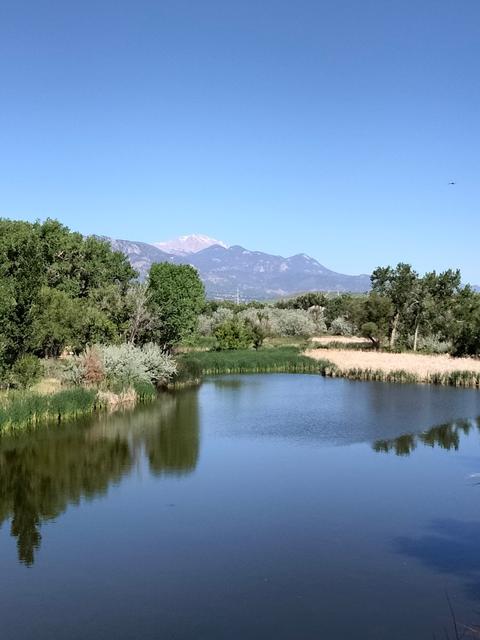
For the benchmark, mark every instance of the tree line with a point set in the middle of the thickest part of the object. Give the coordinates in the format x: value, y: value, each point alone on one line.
x: 62, y: 291
x: 433, y: 313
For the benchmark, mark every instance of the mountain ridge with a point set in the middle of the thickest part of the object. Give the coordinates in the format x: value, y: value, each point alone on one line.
x: 231, y: 272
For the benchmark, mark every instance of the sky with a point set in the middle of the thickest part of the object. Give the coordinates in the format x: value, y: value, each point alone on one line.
x: 331, y: 128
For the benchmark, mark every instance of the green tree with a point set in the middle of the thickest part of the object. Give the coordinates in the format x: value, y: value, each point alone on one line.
x: 234, y: 334
x: 432, y: 300
x: 398, y: 285
x: 57, y: 288
x: 466, y: 326
x: 176, y: 297
x: 376, y: 318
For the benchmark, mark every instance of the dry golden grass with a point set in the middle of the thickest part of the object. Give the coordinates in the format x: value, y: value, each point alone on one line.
x: 422, y: 366
x: 46, y: 386
x: 340, y: 340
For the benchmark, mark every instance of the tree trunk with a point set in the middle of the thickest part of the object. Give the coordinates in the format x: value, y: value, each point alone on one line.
x: 393, y: 335
x: 415, y: 339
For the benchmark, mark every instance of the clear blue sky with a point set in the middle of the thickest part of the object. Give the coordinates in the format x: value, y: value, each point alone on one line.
x: 325, y: 127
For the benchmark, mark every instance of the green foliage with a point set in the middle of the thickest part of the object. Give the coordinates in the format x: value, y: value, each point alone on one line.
x: 283, y: 359
x: 304, y: 301
x: 176, y: 298
x: 371, y: 331
x: 466, y: 326
x: 341, y: 327
x: 29, y: 409
x: 26, y: 371
x: 233, y: 334
x: 129, y: 365
x: 57, y: 289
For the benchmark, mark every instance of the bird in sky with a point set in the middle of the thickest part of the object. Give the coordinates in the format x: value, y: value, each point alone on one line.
x: 452, y: 182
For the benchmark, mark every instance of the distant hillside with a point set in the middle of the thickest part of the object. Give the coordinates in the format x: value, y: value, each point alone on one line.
x: 254, y: 274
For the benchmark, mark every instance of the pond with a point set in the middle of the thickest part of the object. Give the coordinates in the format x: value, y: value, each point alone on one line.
x: 263, y: 506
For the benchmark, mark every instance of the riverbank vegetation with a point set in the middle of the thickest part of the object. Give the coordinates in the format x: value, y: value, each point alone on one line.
x: 78, y: 331
x: 267, y: 360
x: 403, y: 311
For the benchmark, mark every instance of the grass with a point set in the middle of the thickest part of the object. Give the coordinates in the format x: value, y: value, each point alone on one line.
x: 27, y: 409
x: 267, y: 360
x: 402, y: 367
x: 192, y: 366
x: 45, y: 403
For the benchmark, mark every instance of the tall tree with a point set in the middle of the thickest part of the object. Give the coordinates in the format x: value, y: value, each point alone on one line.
x: 398, y: 285
x: 176, y: 298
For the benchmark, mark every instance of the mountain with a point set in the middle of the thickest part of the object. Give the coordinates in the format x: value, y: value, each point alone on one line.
x: 188, y: 244
x: 261, y: 275
x: 228, y: 271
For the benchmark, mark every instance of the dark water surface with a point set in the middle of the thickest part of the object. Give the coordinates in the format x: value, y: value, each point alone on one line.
x: 268, y: 506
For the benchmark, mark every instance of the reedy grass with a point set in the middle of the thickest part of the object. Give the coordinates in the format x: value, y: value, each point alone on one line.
x: 467, y: 379
x: 193, y: 366
x: 268, y: 360
x: 25, y: 409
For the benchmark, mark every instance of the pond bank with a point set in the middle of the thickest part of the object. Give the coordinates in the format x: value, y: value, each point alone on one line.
x: 400, y: 367
x: 352, y: 364
x: 24, y: 409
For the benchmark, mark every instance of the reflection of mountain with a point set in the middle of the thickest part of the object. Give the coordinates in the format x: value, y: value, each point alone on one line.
x: 42, y: 473
x: 446, y: 436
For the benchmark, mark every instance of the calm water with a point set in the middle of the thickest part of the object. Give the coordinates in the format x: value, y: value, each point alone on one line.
x: 268, y: 506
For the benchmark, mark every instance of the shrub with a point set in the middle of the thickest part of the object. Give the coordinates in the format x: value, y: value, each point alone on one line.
x: 26, y: 371
x: 72, y: 372
x: 131, y: 365
x: 341, y: 327
x: 159, y: 366
x: 431, y: 344
x: 233, y: 334
x: 92, y: 366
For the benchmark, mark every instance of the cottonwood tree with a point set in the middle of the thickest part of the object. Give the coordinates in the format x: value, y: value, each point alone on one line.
x: 398, y: 285
x: 176, y: 298
x: 431, y: 301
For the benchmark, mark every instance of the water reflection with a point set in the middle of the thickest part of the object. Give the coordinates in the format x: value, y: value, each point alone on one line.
x: 44, y: 472
x: 446, y: 436
x: 451, y: 546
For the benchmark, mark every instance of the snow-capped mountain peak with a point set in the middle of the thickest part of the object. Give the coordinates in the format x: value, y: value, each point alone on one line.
x: 188, y: 244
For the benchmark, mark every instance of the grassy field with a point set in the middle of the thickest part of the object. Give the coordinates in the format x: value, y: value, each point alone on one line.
x: 401, y: 367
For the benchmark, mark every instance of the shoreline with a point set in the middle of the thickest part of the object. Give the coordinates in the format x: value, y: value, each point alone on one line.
x: 400, y: 367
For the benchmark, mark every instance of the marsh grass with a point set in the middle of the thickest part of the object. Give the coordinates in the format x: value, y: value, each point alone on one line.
x: 268, y: 360
x: 24, y: 409
x: 192, y: 366
x: 27, y: 409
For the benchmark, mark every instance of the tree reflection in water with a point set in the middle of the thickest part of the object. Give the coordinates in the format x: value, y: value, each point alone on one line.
x: 447, y: 436
x: 43, y: 472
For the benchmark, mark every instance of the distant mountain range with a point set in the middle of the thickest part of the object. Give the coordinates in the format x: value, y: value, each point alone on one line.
x: 231, y: 271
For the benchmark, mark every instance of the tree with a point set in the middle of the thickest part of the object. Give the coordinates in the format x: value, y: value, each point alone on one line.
x: 57, y: 288
x: 176, y: 298
x: 376, y: 318
x: 234, y: 334
x: 432, y: 299
x: 139, y: 314
x: 398, y: 285
x: 466, y: 331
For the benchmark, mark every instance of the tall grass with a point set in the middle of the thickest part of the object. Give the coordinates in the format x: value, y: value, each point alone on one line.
x: 21, y: 410
x: 270, y: 360
x: 467, y: 379
x: 192, y: 366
